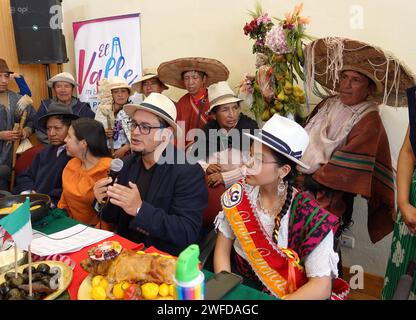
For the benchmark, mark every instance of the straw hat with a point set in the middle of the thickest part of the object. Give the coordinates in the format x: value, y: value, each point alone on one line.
x: 63, y: 76
x: 148, y: 73
x: 4, y: 67
x: 220, y: 93
x: 170, y: 72
x: 333, y: 55
x: 284, y: 136
x: 119, y: 83
x: 57, y: 109
x: 157, y: 104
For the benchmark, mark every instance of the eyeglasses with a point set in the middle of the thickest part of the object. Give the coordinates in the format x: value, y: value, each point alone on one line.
x: 258, y: 158
x: 144, y: 128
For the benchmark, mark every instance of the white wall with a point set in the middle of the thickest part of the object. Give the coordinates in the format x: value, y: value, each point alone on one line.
x: 179, y: 28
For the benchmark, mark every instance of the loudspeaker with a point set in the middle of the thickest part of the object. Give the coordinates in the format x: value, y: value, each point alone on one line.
x: 38, y: 33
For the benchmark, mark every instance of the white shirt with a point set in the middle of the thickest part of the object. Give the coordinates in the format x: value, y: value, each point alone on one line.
x: 319, y: 263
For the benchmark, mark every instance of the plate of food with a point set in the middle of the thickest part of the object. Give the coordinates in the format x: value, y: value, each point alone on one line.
x: 39, y: 205
x: 49, y: 280
x: 130, y: 275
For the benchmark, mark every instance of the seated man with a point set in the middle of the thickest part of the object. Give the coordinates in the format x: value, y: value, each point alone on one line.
x: 154, y: 202
x: 349, y: 153
x: 12, y: 107
x: 45, y: 173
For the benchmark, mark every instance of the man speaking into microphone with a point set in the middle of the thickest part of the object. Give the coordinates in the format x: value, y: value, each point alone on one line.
x: 158, y: 204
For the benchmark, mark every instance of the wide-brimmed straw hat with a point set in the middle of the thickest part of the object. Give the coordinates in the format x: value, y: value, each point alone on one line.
x: 284, y: 136
x: 333, y: 55
x: 4, y: 68
x: 119, y: 83
x: 63, y: 76
x: 220, y: 93
x: 159, y: 105
x: 171, y: 72
x: 148, y: 73
x: 57, y: 109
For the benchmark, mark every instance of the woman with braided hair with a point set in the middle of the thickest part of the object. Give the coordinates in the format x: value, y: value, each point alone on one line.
x: 280, y: 240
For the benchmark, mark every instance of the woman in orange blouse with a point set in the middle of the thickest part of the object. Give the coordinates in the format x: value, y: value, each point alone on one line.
x: 87, y: 143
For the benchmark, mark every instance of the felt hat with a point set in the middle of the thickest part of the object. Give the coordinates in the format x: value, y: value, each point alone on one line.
x: 63, y: 76
x: 4, y: 67
x: 56, y: 109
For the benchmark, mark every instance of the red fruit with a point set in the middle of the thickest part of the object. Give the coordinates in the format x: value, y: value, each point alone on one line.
x: 133, y: 293
x: 98, y: 253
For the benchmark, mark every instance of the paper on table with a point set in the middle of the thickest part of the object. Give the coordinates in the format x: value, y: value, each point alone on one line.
x: 68, y: 240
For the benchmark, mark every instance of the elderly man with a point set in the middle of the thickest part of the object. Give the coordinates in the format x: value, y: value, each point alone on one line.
x: 159, y: 203
x: 349, y: 151
x: 63, y: 85
x: 12, y: 106
x: 194, y: 75
x: 149, y: 83
x: 45, y: 173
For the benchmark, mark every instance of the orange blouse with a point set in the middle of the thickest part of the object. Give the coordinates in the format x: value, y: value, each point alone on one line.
x: 77, y: 189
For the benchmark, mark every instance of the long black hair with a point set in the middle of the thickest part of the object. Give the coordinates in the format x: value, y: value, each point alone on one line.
x: 93, y: 133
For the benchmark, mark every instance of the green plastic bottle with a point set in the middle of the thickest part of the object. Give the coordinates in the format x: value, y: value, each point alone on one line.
x: 189, y: 280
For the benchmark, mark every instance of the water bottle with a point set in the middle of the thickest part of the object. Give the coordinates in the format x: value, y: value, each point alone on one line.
x: 189, y: 280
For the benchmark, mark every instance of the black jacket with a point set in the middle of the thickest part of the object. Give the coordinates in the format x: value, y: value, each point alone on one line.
x: 170, y: 217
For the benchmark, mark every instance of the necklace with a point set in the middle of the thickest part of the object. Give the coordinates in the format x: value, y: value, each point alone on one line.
x: 273, y: 212
x: 256, y: 205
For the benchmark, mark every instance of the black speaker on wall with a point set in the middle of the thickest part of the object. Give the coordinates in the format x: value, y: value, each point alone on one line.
x: 37, y: 31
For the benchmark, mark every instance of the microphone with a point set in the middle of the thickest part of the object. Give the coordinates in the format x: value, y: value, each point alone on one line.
x: 115, y: 168
x: 113, y: 171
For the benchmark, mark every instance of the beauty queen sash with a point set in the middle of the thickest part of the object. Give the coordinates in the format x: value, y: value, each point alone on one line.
x: 277, y: 268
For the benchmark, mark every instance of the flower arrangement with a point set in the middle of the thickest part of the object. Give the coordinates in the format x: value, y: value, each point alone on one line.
x: 279, y: 60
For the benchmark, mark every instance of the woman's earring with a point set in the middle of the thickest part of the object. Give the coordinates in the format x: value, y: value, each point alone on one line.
x: 281, y: 188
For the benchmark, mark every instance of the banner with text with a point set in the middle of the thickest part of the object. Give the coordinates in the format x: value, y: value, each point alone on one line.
x: 105, y: 48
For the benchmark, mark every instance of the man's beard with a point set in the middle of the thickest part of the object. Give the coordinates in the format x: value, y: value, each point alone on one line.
x: 157, y: 150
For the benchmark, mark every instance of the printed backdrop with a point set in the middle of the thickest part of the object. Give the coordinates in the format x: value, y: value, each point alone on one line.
x: 106, y: 47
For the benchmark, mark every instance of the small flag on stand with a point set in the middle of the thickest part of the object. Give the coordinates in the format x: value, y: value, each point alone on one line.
x: 19, y: 226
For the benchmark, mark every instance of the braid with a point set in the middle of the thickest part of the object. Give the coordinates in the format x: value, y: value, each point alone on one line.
x: 288, y: 198
x: 283, y: 211
x: 282, y: 160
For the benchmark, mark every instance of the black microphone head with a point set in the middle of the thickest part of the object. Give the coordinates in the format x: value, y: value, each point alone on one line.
x: 116, y: 165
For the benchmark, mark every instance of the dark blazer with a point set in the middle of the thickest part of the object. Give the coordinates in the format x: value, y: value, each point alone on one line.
x: 170, y: 217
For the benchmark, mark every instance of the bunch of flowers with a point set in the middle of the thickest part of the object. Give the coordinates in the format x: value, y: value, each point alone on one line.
x: 279, y: 60
x: 257, y: 30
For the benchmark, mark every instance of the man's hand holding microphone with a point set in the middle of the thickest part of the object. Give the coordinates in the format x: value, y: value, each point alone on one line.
x: 126, y: 197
